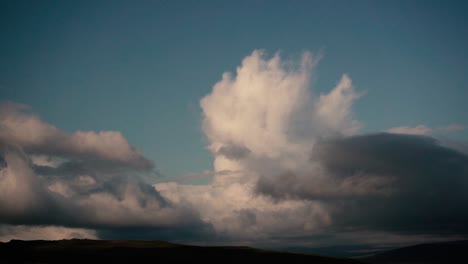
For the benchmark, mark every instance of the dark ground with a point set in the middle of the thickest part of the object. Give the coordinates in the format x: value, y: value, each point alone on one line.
x: 99, y: 251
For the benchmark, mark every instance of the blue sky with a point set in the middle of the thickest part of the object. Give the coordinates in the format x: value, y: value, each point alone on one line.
x: 141, y: 68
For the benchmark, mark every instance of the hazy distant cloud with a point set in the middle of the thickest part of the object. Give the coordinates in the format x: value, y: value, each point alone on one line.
x: 22, y: 232
x: 451, y: 128
x: 417, y: 130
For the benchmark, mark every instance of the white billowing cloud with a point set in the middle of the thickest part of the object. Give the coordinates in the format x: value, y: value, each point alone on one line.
x: 22, y: 232
x: 417, y: 130
x: 264, y: 121
x: 267, y: 109
x: 253, y: 109
x: 335, y: 108
x: 21, y: 127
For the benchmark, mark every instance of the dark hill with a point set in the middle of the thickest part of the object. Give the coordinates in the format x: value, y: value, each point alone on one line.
x: 434, y: 253
x: 90, y: 251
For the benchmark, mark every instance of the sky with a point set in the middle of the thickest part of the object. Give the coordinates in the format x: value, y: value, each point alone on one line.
x: 234, y: 121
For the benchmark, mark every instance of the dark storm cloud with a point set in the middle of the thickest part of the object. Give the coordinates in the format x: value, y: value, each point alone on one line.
x: 384, y: 182
x: 392, y: 154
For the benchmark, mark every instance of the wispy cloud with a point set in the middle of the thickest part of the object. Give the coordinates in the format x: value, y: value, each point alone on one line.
x: 452, y: 128
x: 417, y: 130
x: 425, y: 130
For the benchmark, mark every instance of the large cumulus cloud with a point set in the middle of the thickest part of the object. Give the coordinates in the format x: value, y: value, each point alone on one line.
x: 268, y: 109
x: 260, y: 122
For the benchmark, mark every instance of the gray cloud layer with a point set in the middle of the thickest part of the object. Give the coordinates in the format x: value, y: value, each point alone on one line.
x: 385, y: 182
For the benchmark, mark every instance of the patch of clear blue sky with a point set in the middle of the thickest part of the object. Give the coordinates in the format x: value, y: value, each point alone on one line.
x: 141, y: 67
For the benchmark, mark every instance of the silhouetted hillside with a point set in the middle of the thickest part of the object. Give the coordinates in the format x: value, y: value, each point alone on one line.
x: 86, y: 251
x: 434, y: 253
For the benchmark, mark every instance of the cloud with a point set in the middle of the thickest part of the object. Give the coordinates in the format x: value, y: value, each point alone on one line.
x: 233, y: 152
x: 296, y: 166
x: 268, y: 109
x: 264, y: 120
x: 75, y: 195
x: 289, y: 166
x: 452, y: 128
x: 23, y: 128
x: 335, y: 108
x: 417, y: 130
x: 70, y: 186
x: 237, y: 213
x: 289, y: 185
x: 398, y: 182
x: 424, y: 130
